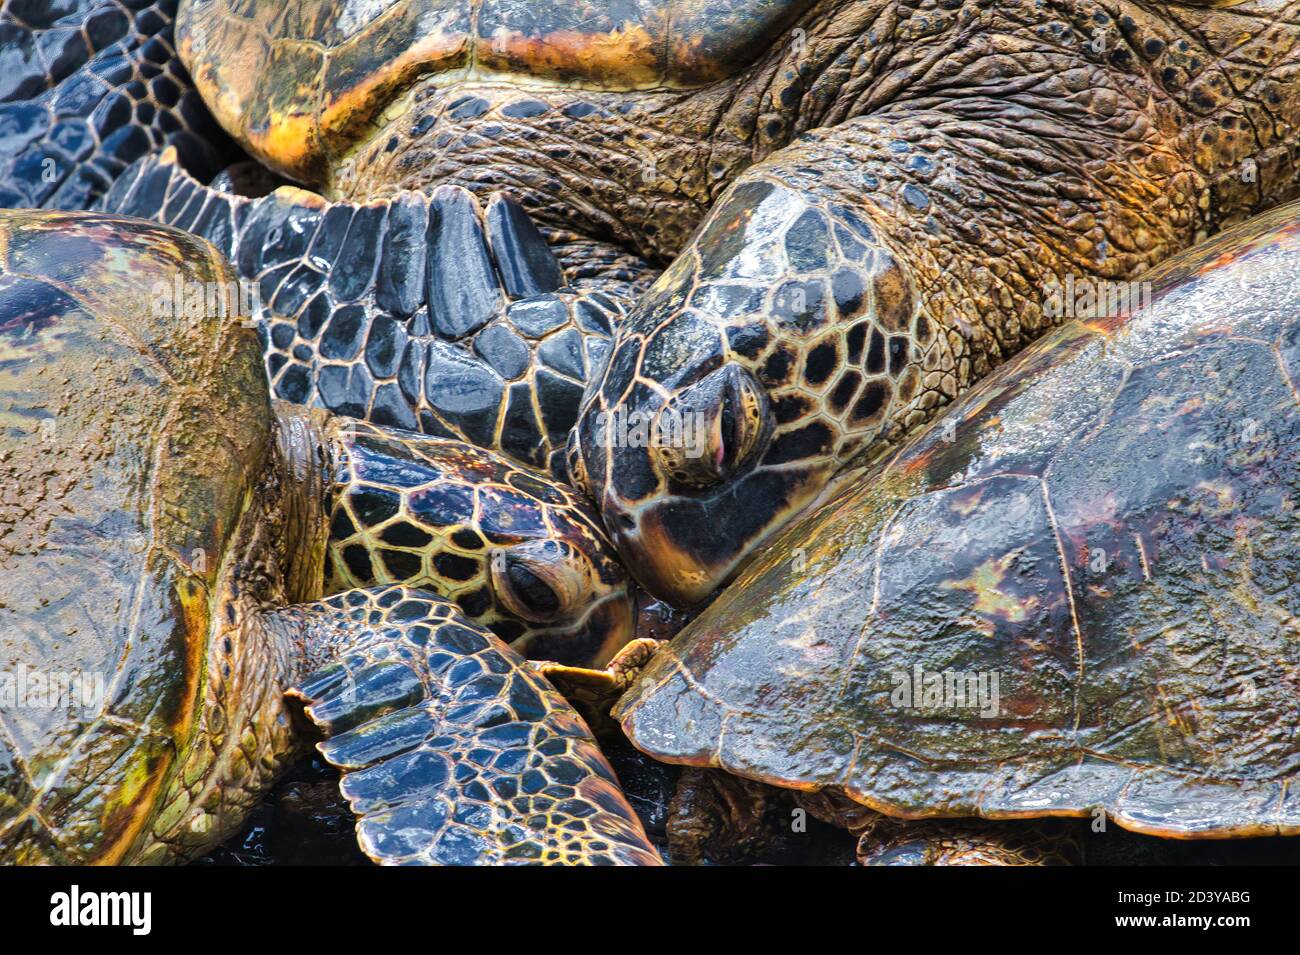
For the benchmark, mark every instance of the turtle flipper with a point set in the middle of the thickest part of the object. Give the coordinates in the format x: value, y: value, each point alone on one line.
x: 453, y: 750
x: 75, y: 116
x: 422, y: 312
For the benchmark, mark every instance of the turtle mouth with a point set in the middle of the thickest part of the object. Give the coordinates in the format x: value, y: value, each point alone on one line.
x: 667, y: 566
x: 590, y: 641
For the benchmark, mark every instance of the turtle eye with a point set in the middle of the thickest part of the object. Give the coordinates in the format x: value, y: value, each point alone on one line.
x: 712, y: 429
x: 539, y: 581
x: 532, y: 592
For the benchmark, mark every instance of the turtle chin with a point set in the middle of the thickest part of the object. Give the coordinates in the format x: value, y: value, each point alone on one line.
x: 684, y: 546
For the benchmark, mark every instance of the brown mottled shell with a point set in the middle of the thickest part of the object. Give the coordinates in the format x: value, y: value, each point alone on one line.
x: 129, y: 441
x: 1107, y: 526
x: 298, y: 83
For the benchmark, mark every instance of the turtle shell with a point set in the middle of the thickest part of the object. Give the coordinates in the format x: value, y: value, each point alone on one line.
x: 299, y: 83
x: 1075, y: 593
x: 130, y: 434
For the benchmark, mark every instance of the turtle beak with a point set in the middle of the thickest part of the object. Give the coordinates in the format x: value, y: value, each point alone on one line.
x: 660, y: 562
x: 593, y: 640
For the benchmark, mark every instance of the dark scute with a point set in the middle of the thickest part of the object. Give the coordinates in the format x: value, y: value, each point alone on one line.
x: 521, y: 435
x: 822, y: 363
x: 455, y: 566
x: 563, y: 353
x: 468, y: 539
x: 876, y: 353
x: 849, y: 289
x: 354, y: 271
x: 391, y: 409
x: 400, y: 286
x: 402, y: 565
x: 526, y: 263
x: 357, y: 559
x: 559, y: 399
x: 503, y: 350
x: 748, y: 340
x: 873, y: 399
x: 464, y: 390
x: 461, y: 285
x: 405, y: 534
x: 384, y: 346
x: 476, y: 602
x: 802, y: 304
x: 333, y: 230
x: 536, y: 317
x: 372, y: 506
x: 807, y: 243
x: 812, y: 440
x: 294, y: 385
x: 898, y: 345
x: 341, y: 339
x: 725, y: 235
x: 442, y: 505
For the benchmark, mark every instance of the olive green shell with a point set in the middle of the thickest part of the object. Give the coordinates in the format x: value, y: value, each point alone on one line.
x: 1107, y: 525
x: 129, y: 441
x: 299, y: 83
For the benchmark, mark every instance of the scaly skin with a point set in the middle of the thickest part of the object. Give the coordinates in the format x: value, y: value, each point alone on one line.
x: 166, y: 531
x: 925, y: 217
x: 1074, y: 594
x: 985, y: 149
x: 88, y: 87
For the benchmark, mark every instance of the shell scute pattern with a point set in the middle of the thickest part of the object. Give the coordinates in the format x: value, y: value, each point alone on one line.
x: 156, y: 430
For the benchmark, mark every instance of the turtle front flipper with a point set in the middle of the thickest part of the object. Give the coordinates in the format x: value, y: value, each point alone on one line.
x: 433, y: 313
x: 453, y: 750
x: 86, y: 89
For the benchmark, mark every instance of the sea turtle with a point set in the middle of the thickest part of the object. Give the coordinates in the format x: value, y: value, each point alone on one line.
x: 859, y: 202
x: 1073, y: 595
x: 163, y: 539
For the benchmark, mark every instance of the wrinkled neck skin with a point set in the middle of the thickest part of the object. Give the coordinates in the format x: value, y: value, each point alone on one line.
x: 306, y: 450
x: 1173, y: 81
x: 245, y: 732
